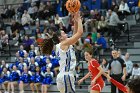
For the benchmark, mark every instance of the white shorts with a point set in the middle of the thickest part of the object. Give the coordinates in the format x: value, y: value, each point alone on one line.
x: 65, y: 82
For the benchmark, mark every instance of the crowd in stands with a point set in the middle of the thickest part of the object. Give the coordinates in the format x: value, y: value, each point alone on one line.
x: 42, y: 21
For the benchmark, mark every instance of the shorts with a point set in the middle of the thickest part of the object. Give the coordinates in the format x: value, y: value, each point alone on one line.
x: 98, y: 86
x: 65, y: 82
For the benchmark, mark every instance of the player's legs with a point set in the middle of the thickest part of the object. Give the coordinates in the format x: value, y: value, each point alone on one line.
x: 65, y: 83
x: 97, y: 88
x: 94, y: 91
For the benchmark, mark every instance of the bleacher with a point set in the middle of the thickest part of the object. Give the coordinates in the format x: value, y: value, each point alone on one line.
x: 128, y: 42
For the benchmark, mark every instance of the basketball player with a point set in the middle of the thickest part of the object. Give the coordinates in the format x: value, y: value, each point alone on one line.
x: 95, y: 71
x: 133, y: 85
x: 64, y: 50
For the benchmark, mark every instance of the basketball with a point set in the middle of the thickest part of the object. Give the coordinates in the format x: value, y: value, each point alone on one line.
x: 73, y: 6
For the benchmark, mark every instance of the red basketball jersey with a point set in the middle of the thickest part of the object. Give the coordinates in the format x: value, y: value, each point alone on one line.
x: 92, y: 67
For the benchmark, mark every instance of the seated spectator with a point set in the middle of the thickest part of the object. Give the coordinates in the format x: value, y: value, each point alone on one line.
x: 104, y: 7
x: 8, y: 12
x: 113, y: 21
x: 86, y: 46
x: 105, y: 66
x: 40, y: 10
x: 4, y: 38
x: 26, y: 19
x: 94, y: 35
x: 15, y: 28
x: 4, y: 13
x: 135, y: 71
x: 27, y: 42
x: 133, y: 5
x: 114, y: 6
x: 129, y: 65
x: 97, y: 15
x: 101, y: 44
x: 57, y: 20
x: 89, y: 36
x: 123, y: 10
x: 102, y: 25
x: 47, y: 11
x: 78, y: 49
x: 47, y: 81
x: 85, y: 11
x: 20, y: 11
x: 62, y: 27
x: 32, y: 10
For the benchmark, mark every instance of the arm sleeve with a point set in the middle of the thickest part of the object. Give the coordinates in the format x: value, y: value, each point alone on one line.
x: 119, y: 85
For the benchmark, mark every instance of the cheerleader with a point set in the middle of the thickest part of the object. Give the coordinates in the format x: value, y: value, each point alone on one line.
x: 21, y: 65
x: 17, y: 59
x: 36, y: 80
x: 5, y: 79
x: 32, y: 51
x: 48, y: 63
x: 22, y: 51
x: 38, y: 58
x: 26, y: 59
x: 48, y: 78
x: 24, y: 79
x: 4, y: 65
x: 14, y: 77
x: 33, y: 65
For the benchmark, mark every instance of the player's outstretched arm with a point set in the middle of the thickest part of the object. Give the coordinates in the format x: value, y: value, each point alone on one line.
x: 85, y: 77
x: 72, y: 40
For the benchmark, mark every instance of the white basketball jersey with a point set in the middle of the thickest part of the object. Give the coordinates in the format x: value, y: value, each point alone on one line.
x: 67, y: 58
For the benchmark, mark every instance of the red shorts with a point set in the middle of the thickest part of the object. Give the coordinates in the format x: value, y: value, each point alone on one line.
x: 98, y: 86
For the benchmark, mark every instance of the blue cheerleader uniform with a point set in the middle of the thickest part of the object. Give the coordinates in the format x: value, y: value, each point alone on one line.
x: 14, y: 76
x: 5, y: 77
x: 26, y: 61
x: 21, y: 66
x: 25, y: 77
x: 44, y: 60
x: 17, y: 61
x: 21, y: 53
x: 32, y: 67
x: 32, y: 54
x: 48, y: 78
x: 38, y: 78
x: 55, y: 62
x: 38, y: 59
